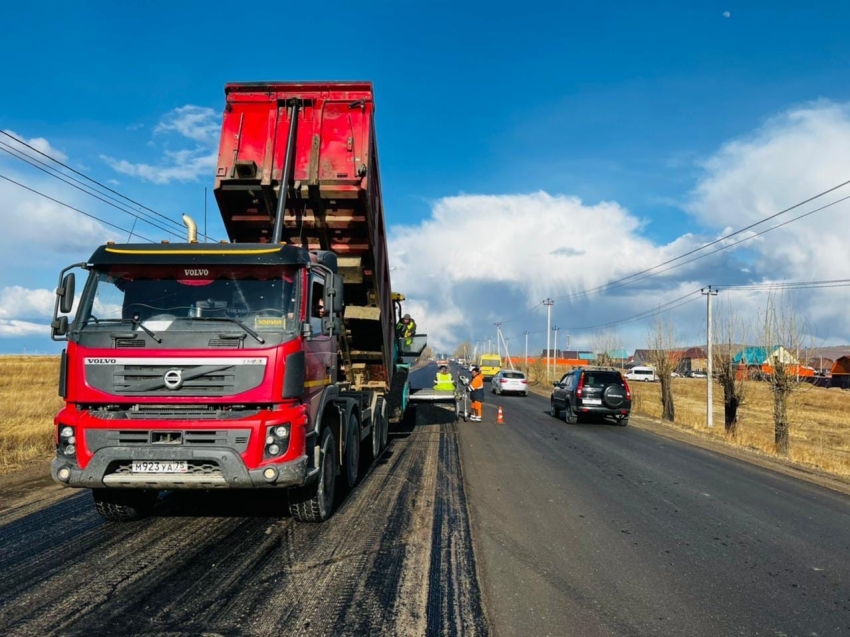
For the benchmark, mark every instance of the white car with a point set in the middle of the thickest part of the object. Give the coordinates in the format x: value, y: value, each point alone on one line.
x: 509, y: 380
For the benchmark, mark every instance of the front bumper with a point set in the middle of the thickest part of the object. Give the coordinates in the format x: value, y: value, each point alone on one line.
x: 210, y: 468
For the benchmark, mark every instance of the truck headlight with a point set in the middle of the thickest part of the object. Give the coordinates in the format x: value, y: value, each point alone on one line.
x: 277, y: 440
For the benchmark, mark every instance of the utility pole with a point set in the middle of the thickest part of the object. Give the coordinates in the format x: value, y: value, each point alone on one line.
x: 555, y: 329
x: 526, y: 351
x: 548, y: 303
x: 709, y: 413
x: 498, y: 346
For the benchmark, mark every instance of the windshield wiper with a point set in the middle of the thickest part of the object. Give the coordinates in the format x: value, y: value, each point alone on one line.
x: 259, y: 338
x: 133, y: 321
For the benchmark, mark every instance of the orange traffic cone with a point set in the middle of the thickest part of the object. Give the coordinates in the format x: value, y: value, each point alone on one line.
x: 500, y: 417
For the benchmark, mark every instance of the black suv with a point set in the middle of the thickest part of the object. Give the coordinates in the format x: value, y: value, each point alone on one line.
x: 592, y: 391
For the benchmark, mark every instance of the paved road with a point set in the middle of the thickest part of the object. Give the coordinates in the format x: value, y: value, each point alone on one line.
x: 597, y: 529
x: 533, y: 527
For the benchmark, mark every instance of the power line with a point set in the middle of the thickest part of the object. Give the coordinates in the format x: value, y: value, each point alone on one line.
x: 649, y: 272
x: 786, y: 285
x: 82, y: 188
x: 94, y: 181
x: 723, y: 238
x: 82, y: 212
x: 732, y: 245
x: 665, y: 307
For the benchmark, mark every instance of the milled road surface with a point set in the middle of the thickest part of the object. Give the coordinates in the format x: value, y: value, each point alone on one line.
x: 543, y: 528
x: 395, y: 559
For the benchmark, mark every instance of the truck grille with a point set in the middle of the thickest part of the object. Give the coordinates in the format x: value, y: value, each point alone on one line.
x: 175, y: 377
x: 149, y: 379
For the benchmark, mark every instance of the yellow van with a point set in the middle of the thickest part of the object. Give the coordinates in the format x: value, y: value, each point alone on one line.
x: 490, y: 365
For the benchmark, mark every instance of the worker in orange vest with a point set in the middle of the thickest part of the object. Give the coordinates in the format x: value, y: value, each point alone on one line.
x: 476, y: 395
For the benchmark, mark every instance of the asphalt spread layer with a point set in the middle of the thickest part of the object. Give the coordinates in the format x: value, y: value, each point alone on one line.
x: 597, y: 529
x: 396, y: 558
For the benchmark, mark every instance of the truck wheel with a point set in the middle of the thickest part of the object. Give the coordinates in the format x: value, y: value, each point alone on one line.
x: 315, y: 502
x: 123, y: 505
x: 379, y: 427
x: 385, y: 426
x: 352, y: 451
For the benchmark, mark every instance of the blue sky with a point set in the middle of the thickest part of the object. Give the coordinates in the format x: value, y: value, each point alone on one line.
x: 615, y: 102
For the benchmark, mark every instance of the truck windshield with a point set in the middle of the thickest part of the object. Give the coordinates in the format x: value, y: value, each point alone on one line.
x: 165, y: 299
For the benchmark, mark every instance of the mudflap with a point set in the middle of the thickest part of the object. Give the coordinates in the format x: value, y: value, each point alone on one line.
x: 398, y: 395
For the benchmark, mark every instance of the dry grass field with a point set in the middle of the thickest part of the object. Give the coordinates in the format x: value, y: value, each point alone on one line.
x: 28, y: 403
x: 820, y: 419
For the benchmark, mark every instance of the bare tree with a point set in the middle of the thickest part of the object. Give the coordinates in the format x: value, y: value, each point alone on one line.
x: 730, y: 332
x: 665, y: 358
x: 603, y: 344
x: 782, y: 339
x: 427, y: 353
x: 463, y: 350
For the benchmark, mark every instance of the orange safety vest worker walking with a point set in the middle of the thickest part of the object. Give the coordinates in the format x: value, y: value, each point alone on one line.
x: 476, y: 394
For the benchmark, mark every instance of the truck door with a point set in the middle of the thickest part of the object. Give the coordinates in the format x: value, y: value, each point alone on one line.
x: 320, y: 350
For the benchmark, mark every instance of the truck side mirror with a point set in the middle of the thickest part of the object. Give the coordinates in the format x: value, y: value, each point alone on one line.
x: 64, y: 303
x: 59, y: 326
x: 66, y: 293
x: 334, y: 294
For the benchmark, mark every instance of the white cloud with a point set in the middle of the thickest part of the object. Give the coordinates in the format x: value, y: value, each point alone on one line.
x: 184, y: 165
x: 792, y: 157
x: 39, y: 143
x: 17, y: 302
x: 35, y: 224
x: 481, y: 258
x: 198, y: 124
x: 16, y: 329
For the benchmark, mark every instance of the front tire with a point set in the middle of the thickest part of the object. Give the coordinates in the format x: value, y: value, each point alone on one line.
x: 124, y: 505
x: 315, y: 502
x: 553, y: 409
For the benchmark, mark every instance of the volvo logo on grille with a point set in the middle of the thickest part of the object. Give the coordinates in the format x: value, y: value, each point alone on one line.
x: 173, y: 379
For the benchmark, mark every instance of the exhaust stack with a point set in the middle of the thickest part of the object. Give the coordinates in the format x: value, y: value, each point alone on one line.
x: 191, y: 229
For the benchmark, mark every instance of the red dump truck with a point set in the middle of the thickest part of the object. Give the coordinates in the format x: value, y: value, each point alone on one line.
x: 267, y: 361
